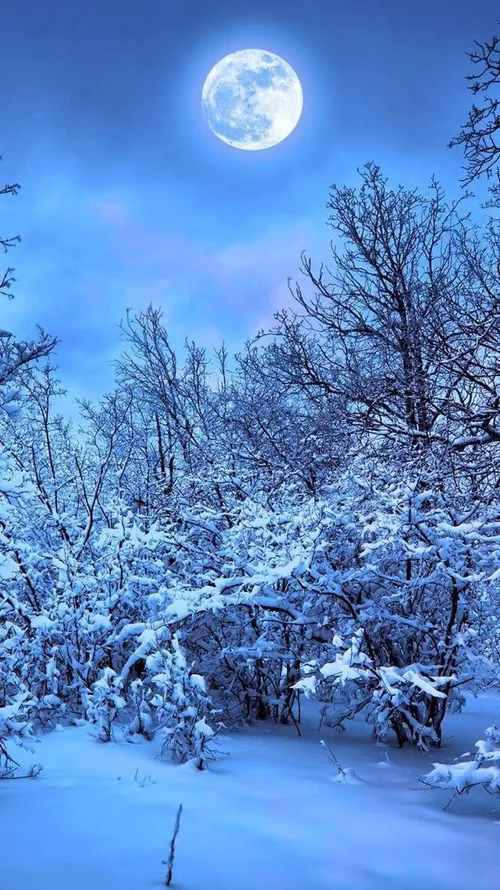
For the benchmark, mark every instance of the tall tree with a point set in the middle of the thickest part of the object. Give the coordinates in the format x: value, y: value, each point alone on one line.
x: 401, y: 328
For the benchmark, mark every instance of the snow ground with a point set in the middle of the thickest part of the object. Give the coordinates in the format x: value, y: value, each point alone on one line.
x: 270, y: 816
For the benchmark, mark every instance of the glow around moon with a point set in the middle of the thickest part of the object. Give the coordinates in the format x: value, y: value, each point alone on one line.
x: 252, y: 99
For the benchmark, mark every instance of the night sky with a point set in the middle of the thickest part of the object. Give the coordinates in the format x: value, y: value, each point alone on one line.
x: 128, y: 198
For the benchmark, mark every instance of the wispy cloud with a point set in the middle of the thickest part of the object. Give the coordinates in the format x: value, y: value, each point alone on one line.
x: 90, y: 257
x: 242, y: 272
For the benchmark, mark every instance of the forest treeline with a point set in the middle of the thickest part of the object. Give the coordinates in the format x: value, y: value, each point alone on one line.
x: 317, y: 515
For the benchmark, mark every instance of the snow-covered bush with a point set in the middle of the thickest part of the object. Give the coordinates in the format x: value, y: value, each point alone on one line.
x: 483, y: 771
x: 394, y: 698
x: 105, y: 702
x: 16, y: 727
x: 180, y: 704
x: 141, y: 722
x: 403, y: 576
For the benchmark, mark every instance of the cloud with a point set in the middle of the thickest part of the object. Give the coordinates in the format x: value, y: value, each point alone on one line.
x: 112, y: 212
x: 246, y: 273
x: 88, y: 257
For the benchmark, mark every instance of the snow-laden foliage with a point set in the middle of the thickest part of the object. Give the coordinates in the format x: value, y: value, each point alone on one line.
x: 366, y: 598
x: 464, y: 775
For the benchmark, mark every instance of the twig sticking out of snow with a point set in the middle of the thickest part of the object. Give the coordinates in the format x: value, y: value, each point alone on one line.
x: 333, y: 758
x: 170, y: 861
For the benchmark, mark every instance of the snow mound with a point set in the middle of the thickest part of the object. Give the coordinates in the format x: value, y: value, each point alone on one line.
x: 348, y: 776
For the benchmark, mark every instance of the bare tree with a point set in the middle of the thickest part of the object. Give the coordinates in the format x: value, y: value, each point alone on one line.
x: 7, y: 279
x: 175, y: 396
x: 13, y: 355
x: 480, y: 135
x: 401, y: 329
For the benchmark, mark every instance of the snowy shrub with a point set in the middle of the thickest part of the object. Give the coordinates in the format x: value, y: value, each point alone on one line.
x: 16, y: 727
x: 142, y: 722
x: 394, y: 698
x: 405, y: 574
x: 105, y: 702
x: 483, y: 771
x: 179, y: 704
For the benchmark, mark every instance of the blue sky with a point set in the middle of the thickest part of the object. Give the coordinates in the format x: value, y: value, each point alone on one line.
x: 128, y: 198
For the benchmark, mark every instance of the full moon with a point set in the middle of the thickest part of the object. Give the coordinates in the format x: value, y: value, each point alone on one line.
x: 252, y: 99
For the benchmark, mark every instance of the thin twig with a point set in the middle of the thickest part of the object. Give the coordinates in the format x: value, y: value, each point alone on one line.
x: 170, y: 861
x: 333, y: 758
